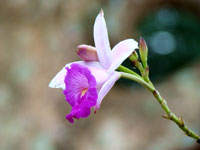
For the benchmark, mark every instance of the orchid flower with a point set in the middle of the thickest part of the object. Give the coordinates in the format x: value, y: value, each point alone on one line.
x: 85, y: 83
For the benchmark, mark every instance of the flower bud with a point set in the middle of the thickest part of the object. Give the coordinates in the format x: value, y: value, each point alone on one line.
x: 134, y: 56
x: 135, y: 61
x: 146, y: 71
x: 87, y: 53
x: 143, y: 50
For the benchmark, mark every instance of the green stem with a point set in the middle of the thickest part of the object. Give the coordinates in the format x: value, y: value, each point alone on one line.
x: 124, y: 69
x: 169, y: 115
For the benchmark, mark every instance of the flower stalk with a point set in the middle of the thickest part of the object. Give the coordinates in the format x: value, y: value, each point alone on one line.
x: 124, y: 69
x: 169, y: 114
x: 145, y: 81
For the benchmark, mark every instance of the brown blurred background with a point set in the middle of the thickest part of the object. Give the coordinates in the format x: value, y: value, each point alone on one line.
x: 38, y: 37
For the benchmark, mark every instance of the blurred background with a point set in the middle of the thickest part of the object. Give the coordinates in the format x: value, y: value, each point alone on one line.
x: 38, y: 37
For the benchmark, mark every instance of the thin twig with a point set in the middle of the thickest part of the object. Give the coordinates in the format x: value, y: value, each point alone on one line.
x: 169, y: 114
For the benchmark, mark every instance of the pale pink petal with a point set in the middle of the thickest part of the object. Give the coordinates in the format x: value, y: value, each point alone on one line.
x: 106, y: 87
x: 96, y: 69
x: 94, y: 64
x: 100, y: 75
x: 101, y: 40
x: 121, y: 51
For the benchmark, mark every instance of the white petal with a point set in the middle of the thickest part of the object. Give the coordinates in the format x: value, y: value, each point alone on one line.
x: 95, y: 67
x: 121, y: 51
x: 101, y: 40
x: 58, y: 80
x: 106, y: 87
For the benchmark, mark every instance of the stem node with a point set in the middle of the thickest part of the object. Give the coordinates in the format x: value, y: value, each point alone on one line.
x: 181, y: 121
x: 166, y: 117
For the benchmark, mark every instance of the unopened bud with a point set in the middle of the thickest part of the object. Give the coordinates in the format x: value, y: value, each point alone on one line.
x: 146, y: 72
x: 143, y: 50
x: 134, y: 56
x: 135, y: 61
x: 87, y: 53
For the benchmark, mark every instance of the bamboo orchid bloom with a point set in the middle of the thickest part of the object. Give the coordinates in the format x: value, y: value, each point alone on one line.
x: 85, y: 83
